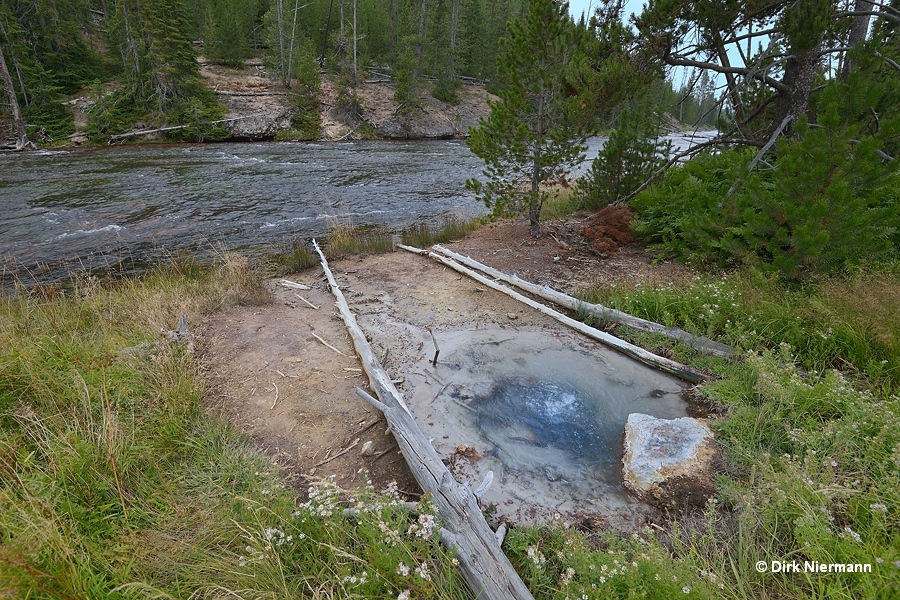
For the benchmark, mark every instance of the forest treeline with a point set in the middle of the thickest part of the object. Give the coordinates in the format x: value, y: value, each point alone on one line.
x: 805, y: 97
x: 138, y: 59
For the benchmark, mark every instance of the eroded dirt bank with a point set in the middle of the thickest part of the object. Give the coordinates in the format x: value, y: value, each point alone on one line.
x: 271, y: 372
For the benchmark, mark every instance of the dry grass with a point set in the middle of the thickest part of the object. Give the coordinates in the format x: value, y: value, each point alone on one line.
x: 345, y: 239
x: 871, y: 298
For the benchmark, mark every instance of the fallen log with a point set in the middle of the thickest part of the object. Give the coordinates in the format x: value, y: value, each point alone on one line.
x: 225, y: 93
x: 610, y: 315
x: 636, y: 352
x: 483, y: 563
x: 122, y: 136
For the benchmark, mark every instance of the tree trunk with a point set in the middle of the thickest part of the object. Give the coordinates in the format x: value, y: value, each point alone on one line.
x: 534, y: 205
x: 858, y: 30
x: 733, y: 92
x: 290, y: 65
x: 454, y: 28
x: 282, y: 54
x: 798, y: 77
x: 804, y: 47
x: 21, y: 135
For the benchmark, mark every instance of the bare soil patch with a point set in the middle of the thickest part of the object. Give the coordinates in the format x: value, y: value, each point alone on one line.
x: 269, y: 372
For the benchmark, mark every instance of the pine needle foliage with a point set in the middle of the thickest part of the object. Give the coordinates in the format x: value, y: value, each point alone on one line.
x: 535, y: 133
x: 827, y: 202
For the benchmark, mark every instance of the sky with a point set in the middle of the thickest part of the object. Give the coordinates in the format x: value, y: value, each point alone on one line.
x: 576, y: 7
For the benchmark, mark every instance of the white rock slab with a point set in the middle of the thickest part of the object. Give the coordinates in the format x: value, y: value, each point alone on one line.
x: 669, y: 462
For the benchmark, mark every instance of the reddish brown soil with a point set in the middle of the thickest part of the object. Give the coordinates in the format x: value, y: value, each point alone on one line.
x: 609, y: 229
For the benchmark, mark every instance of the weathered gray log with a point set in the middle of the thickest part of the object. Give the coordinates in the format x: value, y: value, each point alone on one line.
x: 483, y: 563
x: 611, y: 315
x: 636, y: 352
x: 224, y: 93
x: 378, y: 377
x: 122, y: 136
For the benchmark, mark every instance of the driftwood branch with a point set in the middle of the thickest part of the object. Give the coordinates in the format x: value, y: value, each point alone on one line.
x: 293, y: 284
x: 122, y: 136
x: 609, y: 315
x: 636, y: 352
x: 341, y: 453
x: 483, y: 564
x: 224, y: 93
x: 327, y: 345
x: 308, y: 303
x: 437, y: 350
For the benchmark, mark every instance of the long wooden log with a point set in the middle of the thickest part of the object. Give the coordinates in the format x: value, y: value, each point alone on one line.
x: 122, y: 136
x: 636, y: 352
x: 224, y: 93
x: 483, y: 563
x: 611, y: 315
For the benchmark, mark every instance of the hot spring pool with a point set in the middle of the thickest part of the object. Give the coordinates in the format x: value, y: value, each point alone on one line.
x: 545, y: 411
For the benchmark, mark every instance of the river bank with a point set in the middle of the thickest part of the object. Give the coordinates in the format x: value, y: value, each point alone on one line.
x: 258, y: 109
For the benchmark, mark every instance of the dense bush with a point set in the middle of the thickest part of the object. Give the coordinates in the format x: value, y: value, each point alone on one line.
x: 828, y: 202
x: 682, y: 216
x: 628, y: 158
x: 55, y: 121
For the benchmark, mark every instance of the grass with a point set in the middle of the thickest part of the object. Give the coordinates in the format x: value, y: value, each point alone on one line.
x: 561, y: 202
x: 115, y: 483
x: 299, y: 257
x: 811, y: 433
x: 344, y: 239
x: 421, y: 235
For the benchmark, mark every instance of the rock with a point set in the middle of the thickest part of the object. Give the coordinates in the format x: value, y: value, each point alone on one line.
x: 512, y: 316
x: 261, y: 126
x: 669, y: 462
x: 368, y: 449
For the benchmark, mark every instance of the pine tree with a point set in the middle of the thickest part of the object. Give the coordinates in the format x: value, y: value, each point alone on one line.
x: 536, y: 131
x: 226, y: 29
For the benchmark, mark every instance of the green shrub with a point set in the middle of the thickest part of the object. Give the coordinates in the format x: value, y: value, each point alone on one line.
x: 113, y: 114
x: 50, y: 121
x: 631, y: 154
x: 682, y: 216
x: 830, y: 202
x: 198, y: 114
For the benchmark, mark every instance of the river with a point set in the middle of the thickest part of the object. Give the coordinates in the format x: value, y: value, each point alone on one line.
x: 121, y: 209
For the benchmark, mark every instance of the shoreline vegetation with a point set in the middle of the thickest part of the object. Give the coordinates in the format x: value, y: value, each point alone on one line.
x: 116, y: 482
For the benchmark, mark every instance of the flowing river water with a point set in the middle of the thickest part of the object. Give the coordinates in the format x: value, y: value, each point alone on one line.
x: 123, y: 208
x: 120, y: 209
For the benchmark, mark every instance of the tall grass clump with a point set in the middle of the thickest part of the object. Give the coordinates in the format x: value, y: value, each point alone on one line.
x: 344, y: 239
x: 115, y: 483
x: 298, y: 257
x: 561, y: 202
x: 453, y: 227
x: 846, y: 323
